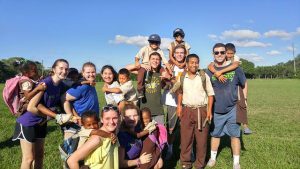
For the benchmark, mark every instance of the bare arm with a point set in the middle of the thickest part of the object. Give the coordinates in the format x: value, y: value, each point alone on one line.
x: 32, y: 105
x: 91, y: 144
x: 113, y: 90
x: 179, y: 103
x: 209, y: 107
x: 212, y: 68
x: 66, y: 99
x: 233, y: 66
x: 245, y: 90
x: 30, y: 94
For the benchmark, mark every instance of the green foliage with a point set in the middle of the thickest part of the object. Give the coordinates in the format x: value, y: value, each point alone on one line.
x: 248, y: 68
x: 8, y: 68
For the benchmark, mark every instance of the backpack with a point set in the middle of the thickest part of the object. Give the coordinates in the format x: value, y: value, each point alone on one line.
x: 11, y: 94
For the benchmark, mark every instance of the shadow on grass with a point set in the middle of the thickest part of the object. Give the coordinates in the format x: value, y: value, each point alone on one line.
x: 8, y: 143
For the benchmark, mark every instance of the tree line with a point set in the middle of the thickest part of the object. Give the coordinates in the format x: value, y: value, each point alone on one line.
x: 280, y: 70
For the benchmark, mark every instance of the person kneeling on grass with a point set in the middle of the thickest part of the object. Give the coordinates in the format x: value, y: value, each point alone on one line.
x: 99, y: 152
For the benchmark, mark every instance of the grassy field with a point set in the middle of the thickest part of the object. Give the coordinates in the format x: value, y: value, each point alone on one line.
x: 274, y: 116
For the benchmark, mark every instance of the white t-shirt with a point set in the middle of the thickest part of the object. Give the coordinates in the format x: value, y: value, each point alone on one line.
x: 170, y: 99
x: 129, y: 91
x: 113, y: 98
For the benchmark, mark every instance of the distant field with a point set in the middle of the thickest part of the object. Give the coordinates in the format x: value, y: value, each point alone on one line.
x: 274, y: 116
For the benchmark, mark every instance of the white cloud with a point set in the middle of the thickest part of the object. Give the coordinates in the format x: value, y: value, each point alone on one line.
x: 139, y: 41
x: 251, y: 44
x: 240, y: 34
x: 273, y: 52
x: 290, y: 48
x: 251, y: 57
x: 298, y: 31
x: 213, y: 37
x: 278, y: 33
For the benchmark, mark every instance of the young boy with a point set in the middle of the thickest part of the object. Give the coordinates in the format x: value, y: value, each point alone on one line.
x: 144, y: 53
x: 126, y: 88
x: 234, y: 60
x: 178, y: 35
x: 194, y: 108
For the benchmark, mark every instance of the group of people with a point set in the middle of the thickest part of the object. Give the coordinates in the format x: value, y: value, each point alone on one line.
x: 132, y: 130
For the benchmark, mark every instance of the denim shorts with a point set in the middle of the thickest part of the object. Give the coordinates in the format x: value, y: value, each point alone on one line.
x: 225, y: 124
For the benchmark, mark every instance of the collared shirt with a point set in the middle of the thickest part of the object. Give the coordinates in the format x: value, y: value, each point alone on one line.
x: 193, y: 92
x: 145, y: 52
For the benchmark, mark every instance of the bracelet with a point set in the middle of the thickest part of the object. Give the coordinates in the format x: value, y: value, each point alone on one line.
x: 138, y: 162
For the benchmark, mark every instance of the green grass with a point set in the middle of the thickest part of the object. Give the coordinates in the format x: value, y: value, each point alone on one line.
x: 274, y: 116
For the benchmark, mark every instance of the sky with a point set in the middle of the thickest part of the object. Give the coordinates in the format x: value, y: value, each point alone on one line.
x: 112, y: 32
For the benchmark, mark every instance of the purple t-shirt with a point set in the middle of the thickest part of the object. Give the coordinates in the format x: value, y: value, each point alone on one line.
x: 50, y: 99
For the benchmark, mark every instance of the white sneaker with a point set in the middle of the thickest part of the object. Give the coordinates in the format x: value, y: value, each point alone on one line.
x: 236, y: 166
x: 211, y: 163
x: 63, y: 118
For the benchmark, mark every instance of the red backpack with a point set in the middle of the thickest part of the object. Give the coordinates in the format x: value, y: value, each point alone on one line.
x: 11, y: 94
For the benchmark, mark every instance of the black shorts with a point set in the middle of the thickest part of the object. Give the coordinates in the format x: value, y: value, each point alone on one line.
x: 30, y: 133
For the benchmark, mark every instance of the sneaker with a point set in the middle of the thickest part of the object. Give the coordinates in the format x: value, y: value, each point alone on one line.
x: 211, y: 163
x: 236, y: 166
x: 247, y: 131
x: 63, y: 118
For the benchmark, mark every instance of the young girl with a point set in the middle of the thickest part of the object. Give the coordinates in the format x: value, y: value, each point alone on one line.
x: 109, y: 76
x: 30, y: 128
x: 154, y: 143
x: 83, y: 97
x: 27, y: 87
x: 130, y: 147
x: 105, y: 155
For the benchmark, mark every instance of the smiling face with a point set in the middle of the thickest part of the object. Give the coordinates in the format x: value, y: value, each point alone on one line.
x: 146, y: 118
x: 178, y: 38
x: 107, y: 76
x: 154, y: 61
x: 123, y: 78
x: 193, y: 65
x: 179, y: 54
x: 219, y: 55
x: 89, y: 73
x: 60, y: 70
x: 229, y: 54
x: 131, y: 118
x: 90, y: 123
x: 110, y: 120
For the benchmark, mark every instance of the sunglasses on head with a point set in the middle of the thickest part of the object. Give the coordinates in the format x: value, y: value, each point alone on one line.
x: 221, y: 52
x: 110, y: 107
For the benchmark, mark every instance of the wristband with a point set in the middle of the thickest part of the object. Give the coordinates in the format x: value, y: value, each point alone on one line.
x: 138, y: 162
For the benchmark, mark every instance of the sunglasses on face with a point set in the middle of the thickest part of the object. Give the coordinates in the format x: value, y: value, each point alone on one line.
x: 221, y: 52
x: 110, y: 107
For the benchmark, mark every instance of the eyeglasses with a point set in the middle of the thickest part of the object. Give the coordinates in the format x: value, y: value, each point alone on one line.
x: 221, y: 52
x: 110, y: 107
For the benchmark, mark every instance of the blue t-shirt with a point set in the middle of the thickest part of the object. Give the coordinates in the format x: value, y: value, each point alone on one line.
x: 85, y: 99
x: 50, y: 99
x: 226, y: 93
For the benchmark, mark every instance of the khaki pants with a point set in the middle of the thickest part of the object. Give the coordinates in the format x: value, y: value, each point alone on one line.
x: 189, y: 131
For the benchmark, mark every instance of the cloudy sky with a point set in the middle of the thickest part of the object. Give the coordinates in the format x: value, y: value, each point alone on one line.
x: 111, y: 32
